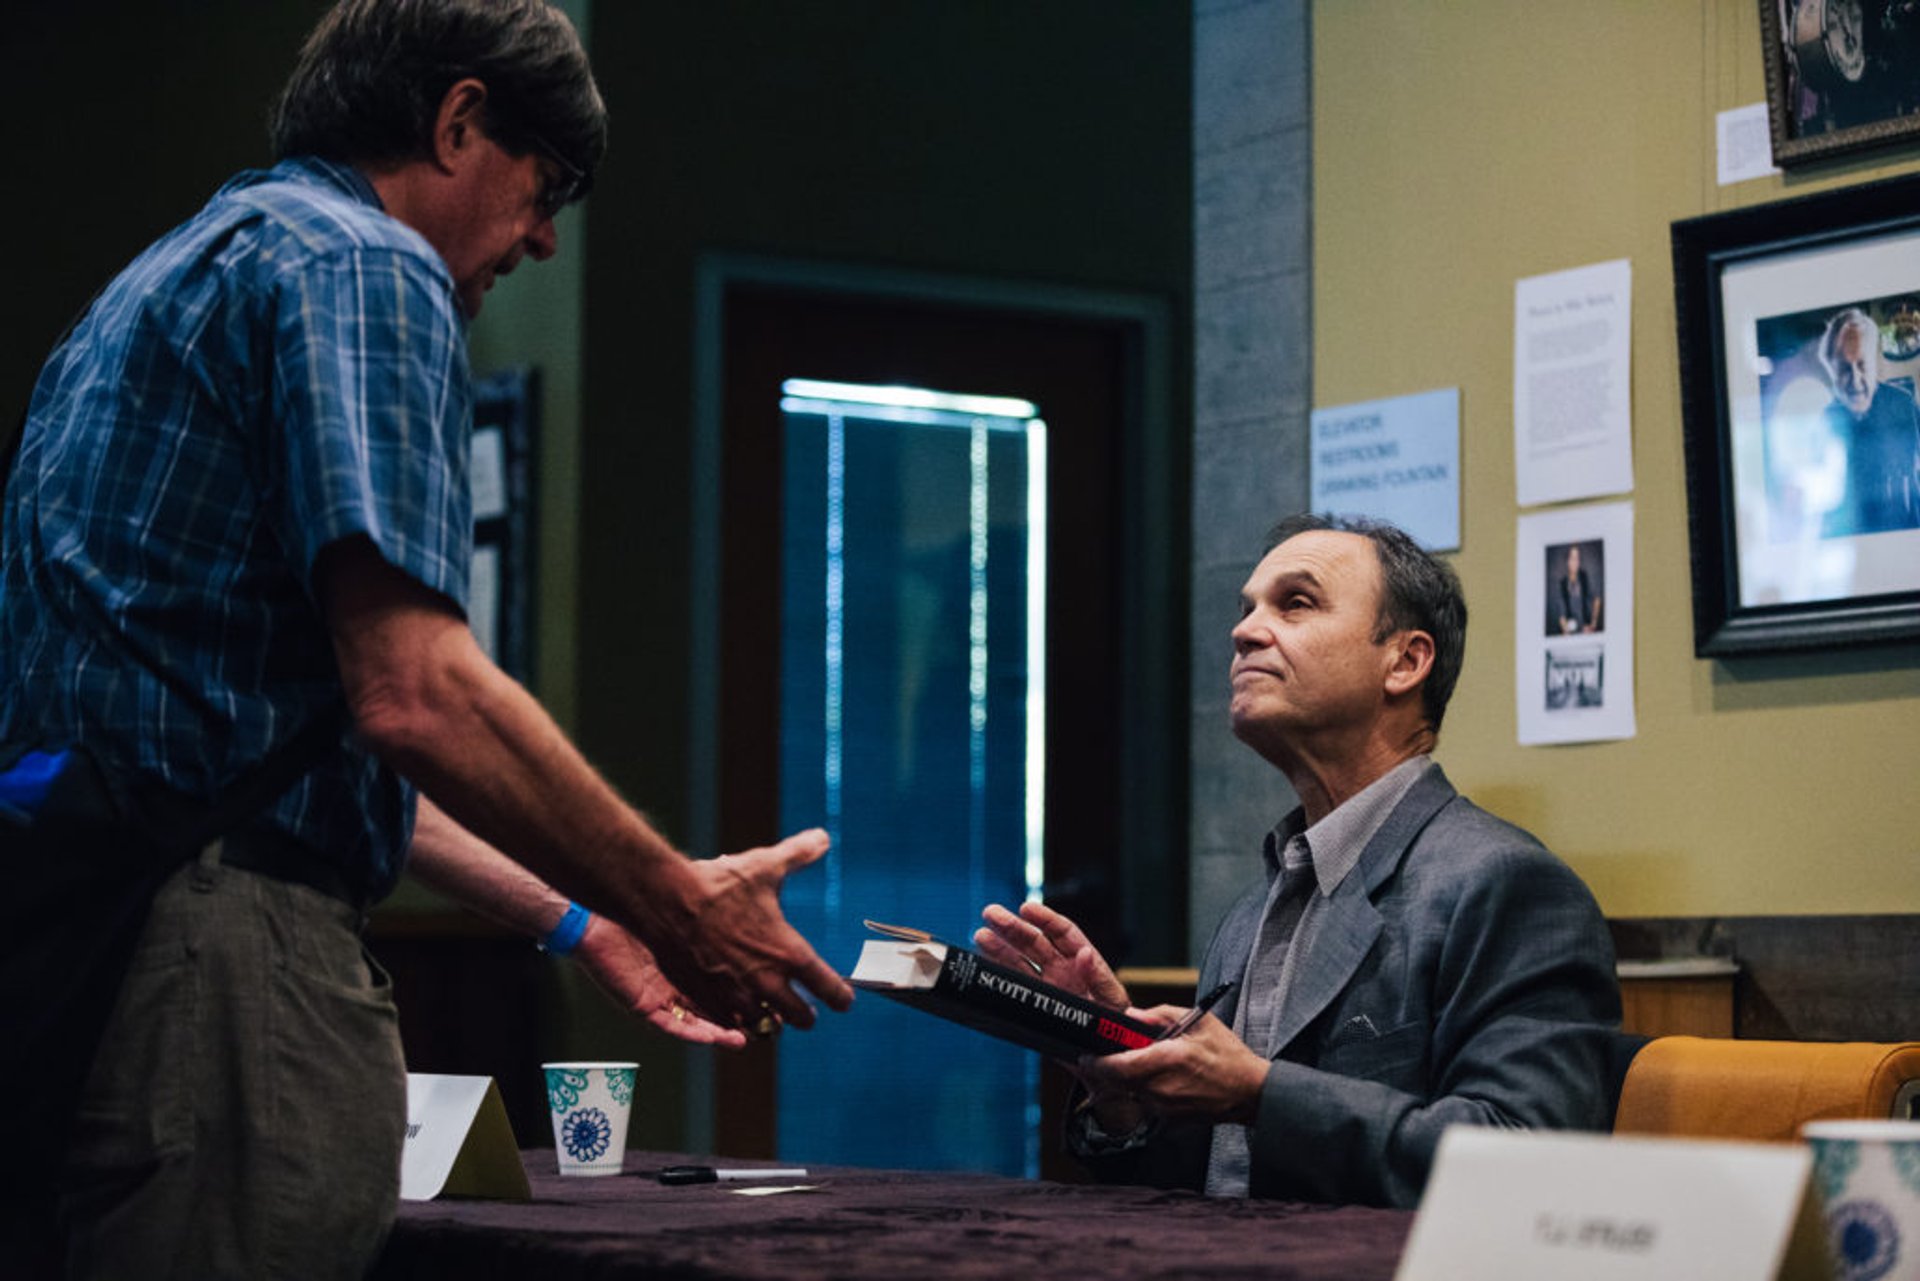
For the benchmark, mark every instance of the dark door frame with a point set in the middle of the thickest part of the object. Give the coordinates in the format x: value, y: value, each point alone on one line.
x: 1148, y: 618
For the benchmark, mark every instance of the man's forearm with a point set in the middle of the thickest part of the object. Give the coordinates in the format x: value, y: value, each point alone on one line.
x: 433, y: 706
x: 451, y: 860
x: 489, y: 756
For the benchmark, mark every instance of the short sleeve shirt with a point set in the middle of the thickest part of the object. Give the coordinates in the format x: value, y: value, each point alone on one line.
x: 285, y: 369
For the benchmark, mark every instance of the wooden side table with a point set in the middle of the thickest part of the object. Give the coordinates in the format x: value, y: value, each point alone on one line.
x: 1678, y: 996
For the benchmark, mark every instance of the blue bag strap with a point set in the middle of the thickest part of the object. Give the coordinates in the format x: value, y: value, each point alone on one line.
x: 24, y: 786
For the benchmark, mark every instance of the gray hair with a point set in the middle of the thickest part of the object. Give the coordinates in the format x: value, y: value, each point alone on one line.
x: 1839, y: 323
x: 371, y: 76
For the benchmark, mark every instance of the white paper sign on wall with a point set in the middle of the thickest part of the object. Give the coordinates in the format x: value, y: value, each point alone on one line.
x: 1395, y: 460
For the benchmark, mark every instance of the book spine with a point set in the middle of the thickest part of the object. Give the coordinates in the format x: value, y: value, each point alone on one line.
x: 1070, y: 1023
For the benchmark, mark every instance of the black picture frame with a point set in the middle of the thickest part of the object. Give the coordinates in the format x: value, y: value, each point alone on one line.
x: 1843, y: 76
x: 1779, y: 561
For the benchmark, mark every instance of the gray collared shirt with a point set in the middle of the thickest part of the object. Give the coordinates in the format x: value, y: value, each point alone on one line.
x: 1333, y: 847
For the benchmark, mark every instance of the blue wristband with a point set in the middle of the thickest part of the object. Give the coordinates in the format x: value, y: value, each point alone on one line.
x: 567, y: 935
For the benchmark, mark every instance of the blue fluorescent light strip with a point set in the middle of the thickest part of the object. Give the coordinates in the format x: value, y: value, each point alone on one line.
x: 1036, y: 657
x: 911, y: 398
x: 977, y: 663
x: 836, y: 652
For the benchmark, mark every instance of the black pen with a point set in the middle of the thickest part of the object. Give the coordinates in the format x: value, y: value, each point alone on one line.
x: 1186, y: 1021
x: 677, y: 1174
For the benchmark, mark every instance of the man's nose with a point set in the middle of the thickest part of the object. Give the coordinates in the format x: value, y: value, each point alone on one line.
x: 1246, y: 635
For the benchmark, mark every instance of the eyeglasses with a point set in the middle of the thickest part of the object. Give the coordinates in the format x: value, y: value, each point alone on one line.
x: 557, y: 193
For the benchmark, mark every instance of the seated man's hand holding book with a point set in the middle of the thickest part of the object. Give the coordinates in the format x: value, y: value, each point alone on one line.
x: 1039, y: 938
x: 1042, y: 941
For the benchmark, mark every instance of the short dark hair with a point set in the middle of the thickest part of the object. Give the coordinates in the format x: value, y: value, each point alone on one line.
x: 371, y: 76
x: 1418, y: 592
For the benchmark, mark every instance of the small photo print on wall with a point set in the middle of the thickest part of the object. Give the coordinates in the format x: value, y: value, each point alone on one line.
x: 1574, y: 635
x: 1576, y: 588
x: 1576, y: 677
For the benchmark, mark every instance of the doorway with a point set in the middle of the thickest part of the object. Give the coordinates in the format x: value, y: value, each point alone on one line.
x: 1003, y: 718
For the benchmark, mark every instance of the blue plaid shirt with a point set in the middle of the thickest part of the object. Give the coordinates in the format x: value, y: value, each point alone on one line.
x: 285, y: 369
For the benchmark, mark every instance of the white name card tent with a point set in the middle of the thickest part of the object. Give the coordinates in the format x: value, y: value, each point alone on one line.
x: 459, y: 1141
x: 1505, y: 1205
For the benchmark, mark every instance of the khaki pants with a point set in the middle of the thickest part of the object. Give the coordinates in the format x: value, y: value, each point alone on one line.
x: 245, y: 1114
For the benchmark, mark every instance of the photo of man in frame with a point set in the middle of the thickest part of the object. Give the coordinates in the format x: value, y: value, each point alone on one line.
x: 1841, y: 429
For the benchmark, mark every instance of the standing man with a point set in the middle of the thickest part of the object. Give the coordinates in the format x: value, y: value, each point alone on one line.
x: 1878, y: 427
x: 240, y: 506
x: 1410, y: 963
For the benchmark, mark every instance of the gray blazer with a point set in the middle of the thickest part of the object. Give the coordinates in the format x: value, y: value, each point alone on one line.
x: 1461, y: 974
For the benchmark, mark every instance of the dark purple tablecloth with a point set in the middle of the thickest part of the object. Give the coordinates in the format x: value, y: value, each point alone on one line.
x: 882, y: 1223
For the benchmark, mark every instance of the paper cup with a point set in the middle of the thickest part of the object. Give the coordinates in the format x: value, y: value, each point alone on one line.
x: 590, y: 1103
x: 1868, y: 1177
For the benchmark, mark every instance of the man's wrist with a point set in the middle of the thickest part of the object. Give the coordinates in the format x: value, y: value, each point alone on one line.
x: 565, y: 936
x: 1091, y: 1135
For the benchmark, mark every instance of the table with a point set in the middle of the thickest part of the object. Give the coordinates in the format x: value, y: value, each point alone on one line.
x: 881, y: 1223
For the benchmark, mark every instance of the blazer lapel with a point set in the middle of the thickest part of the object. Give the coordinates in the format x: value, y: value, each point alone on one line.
x: 1227, y: 958
x: 1348, y: 921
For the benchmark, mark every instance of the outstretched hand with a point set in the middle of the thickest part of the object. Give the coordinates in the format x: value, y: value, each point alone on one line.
x: 1041, y: 938
x: 730, y: 949
x: 624, y: 969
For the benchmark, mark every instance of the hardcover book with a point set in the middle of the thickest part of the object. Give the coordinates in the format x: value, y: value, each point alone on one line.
x: 914, y: 968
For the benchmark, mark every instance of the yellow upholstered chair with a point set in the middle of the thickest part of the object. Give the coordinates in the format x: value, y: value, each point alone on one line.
x: 1704, y: 1087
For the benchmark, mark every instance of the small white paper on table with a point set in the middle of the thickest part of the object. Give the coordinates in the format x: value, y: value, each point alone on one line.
x: 1745, y: 144
x: 1395, y: 460
x: 1573, y: 624
x: 1507, y: 1205
x: 459, y: 1141
x: 1573, y: 383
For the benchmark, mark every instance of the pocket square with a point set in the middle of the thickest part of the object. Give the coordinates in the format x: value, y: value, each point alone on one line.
x: 1357, y: 1028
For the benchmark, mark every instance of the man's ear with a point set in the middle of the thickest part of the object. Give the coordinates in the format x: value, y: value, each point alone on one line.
x: 1412, y: 662
x: 456, y: 126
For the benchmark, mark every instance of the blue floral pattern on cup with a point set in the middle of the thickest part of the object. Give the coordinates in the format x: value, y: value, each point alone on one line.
x: 564, y: 1087
x: 1866, y: 1241
x: 620, y: 1085
x: 585, y: 1134
x: 1833, y: 1164
x: 1906, y: 1164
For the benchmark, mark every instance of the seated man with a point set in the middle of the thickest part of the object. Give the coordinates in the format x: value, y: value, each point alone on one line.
x: 1410, y: 963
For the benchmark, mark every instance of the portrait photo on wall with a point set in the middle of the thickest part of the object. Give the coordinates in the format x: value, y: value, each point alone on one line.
x: 1576, y: 588
x: 1841, y: 431
x: 1842, y: 75
x: 1799, y: 353
x: 1573, y: 624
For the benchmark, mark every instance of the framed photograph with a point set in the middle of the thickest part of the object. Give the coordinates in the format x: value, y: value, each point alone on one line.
x: 1842, y: 76
x: 1799, y: 342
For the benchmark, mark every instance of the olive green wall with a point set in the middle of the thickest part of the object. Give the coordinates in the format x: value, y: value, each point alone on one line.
x: 1458, y: 147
